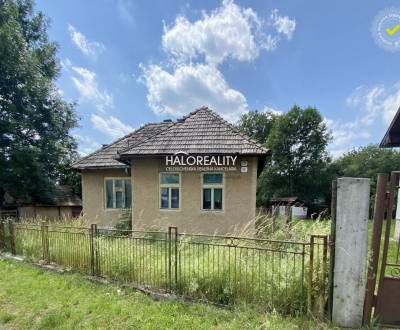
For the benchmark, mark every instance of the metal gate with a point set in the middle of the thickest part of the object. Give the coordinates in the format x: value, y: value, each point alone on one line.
x: 382, y: 300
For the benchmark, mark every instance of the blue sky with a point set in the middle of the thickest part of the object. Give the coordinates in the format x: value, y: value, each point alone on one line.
x: 127, y: 63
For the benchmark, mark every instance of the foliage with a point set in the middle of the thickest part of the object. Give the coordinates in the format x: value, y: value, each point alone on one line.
x: 367, y: 162
x: 44, y: 300
x: 209, y: 267
x: 257, y: 125
x: 298, y: 141
x: 36, y: 147
x: 125, y: 221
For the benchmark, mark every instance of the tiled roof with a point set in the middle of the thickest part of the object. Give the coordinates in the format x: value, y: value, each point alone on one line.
x: 201, y: 132
x: 105, y: 157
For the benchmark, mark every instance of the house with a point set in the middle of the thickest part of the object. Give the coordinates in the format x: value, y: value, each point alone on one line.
x: 197, y: 173
x: 65, y: 204
x: 281, y: 206
x: 392, y: 135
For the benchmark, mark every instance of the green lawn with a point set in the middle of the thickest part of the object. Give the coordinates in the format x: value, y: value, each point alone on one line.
x: 32, y: 298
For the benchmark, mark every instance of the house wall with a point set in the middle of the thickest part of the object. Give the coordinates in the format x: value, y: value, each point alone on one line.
x: 239, y: 200
x: 93, y: 197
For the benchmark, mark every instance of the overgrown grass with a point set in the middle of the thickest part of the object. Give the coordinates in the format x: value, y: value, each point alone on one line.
x: 269, y: 274
x: 31, y: 298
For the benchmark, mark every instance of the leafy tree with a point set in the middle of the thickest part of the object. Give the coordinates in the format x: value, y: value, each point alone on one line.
x: 35, y: 145
x: 257, y: 125
x: 298, y: 141
x: 367, y: 162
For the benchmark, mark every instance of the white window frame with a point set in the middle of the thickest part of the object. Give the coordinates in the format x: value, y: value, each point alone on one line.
x: 169, y: 185
x: 212, y: 187
x: 113, y: 192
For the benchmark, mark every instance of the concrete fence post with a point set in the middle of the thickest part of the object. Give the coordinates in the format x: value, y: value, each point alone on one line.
x: 353, y: 196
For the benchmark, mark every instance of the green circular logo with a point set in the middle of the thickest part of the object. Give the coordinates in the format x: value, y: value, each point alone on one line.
x: 386, y: 29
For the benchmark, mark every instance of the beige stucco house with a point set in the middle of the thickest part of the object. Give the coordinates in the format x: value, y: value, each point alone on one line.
x: 198, y: 173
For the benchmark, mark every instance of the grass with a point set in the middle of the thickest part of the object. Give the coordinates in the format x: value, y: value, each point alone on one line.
x: 32, y: 298
x: 270, y: 275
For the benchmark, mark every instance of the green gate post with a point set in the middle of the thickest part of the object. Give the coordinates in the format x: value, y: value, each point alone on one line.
x: 2, y: 236
x: 12, y: 237
x: 45, y: 241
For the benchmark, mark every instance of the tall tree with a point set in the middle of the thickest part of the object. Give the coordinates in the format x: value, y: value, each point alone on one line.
x: 367, y: 162
x: 257, y: 125
x: 35, y: 122
x: 298, y: 141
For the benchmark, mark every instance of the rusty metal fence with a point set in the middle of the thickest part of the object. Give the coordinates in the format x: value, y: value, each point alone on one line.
x: 285, y: 276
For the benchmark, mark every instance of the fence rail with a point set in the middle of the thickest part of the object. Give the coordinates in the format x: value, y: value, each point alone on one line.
x: 289, y: 277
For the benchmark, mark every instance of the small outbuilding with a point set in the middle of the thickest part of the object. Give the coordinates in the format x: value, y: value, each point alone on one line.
x: 65, y: 204
x: 281, y: 206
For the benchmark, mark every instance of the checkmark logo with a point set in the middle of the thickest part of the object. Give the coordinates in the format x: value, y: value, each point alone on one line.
x: 393, y: 30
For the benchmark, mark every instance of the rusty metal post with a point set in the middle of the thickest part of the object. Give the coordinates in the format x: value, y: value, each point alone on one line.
x: 389, y: 213
x: 379, y: 211
x: 310, y: 275
x: 45, y: 241
x: 323, y: 277
x: 12, y: 237
x: 332, y: 238
x: 2, y: 236
x: 91, y: 247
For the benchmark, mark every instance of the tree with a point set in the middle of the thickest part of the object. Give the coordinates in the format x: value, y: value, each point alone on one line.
x: 367, y: 162
x: 298, y: 141
x: 257, y: 125
x: 35, y: 122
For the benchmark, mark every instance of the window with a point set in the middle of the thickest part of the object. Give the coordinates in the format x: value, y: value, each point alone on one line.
x: 213, y: 185
x: 170, y: 190
x: 118, y: 193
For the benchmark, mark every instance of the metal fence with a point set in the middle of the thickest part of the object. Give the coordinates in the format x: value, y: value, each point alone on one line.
x: 285, y: 276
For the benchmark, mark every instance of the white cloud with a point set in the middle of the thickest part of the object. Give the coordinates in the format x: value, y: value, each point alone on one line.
x: 190, y: 87
x: 283, y: 24
x: 375, y: 105
x: 86, y: 144
x: 272, y: 110
x: 86, y: 84
x: 376, y: 101
x: 125, y: 11
x: 88, y: 48
x: 197, y: 48
x: 111, y: 126
x: 229, y: 31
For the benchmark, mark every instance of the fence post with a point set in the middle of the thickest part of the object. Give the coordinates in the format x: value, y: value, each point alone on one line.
x: 332, y: 238
x: 2, y: 236
x: 353, y: 196
x: 379, y: 213
x: 96, y: 250
x: 172, y: 257
x: 310, y: 275
x: 45, y: 241
x: 92, y: 234
x: 12, y: 237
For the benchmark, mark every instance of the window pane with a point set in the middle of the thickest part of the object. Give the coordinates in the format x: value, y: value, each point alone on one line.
x: 170, y: 178
x: 118, y: 184
x: 164, y: 198
x: 217, y: 199
x: 128, y: 194
x: 174, y: 198
x: 119, y: 201
x: 109, y: 194
x: 212, y: 178
x: 207, y: 199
